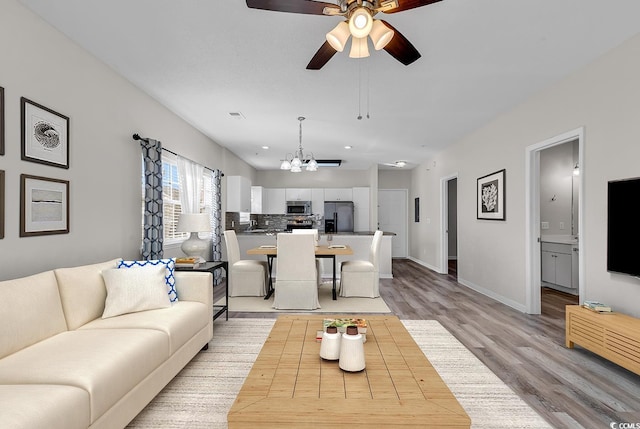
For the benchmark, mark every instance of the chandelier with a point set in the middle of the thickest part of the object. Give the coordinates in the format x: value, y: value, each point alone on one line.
x: 294, y: 162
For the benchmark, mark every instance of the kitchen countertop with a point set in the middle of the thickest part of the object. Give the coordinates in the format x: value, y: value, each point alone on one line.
x: 560, y: 239
x: 320, y: 233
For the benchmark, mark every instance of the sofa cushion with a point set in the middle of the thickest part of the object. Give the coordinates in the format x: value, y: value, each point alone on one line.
x: 82, y: 292
x: 169, y: 264
x: 31, y: 311
x: 180, y: 322
x: 129, y: 291
x: 106, y: 363
x: 38, y: 406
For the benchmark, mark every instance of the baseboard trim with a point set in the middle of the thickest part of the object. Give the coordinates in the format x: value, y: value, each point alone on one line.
x: 491, y: 294
x: 424, y: 264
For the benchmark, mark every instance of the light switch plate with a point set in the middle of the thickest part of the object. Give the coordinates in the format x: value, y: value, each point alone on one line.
x: 561, y: 225
x: 544, y: 225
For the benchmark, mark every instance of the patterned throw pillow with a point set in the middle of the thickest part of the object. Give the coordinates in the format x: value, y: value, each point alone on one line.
x: 170, y: 265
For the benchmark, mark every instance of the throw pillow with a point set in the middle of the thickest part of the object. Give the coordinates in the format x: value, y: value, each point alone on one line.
x: 169, y: 265
x: 130, y: 291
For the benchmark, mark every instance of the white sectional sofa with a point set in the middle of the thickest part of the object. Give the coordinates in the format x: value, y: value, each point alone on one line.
x: 62, y: 366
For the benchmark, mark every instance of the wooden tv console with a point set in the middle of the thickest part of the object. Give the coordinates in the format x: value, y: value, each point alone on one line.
x: 613, y: 336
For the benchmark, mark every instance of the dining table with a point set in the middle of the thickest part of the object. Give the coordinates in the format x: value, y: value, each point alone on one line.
x: 322, y: 251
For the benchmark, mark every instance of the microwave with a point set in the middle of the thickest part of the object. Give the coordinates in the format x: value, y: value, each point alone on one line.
x: 299, y: 207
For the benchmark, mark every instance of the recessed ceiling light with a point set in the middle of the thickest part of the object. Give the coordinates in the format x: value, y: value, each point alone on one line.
x: 348, y: 147
x: 265, y: 147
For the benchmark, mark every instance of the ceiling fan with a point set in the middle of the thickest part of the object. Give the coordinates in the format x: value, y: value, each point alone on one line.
x: 359, y: 24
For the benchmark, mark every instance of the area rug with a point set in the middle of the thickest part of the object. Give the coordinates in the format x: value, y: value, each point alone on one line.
x: 203, y: 392
x: 327, y: 304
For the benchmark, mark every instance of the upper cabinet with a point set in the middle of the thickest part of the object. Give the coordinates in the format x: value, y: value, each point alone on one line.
x: 276, y: 202
x: 298, y: 194
x: 338, y: 194
x: 238, y: 194
x: 258, y: 199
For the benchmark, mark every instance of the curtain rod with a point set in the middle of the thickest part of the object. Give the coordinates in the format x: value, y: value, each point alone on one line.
x: 136, y: 136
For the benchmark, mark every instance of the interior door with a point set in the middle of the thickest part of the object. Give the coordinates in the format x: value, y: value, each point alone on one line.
x: 392, y: 217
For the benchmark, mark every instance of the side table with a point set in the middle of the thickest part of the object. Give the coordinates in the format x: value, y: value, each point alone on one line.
x: 211, y: 267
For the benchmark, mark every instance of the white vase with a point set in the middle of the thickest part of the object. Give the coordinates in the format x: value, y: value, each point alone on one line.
x: 351, y: 350
x: 330, y: 345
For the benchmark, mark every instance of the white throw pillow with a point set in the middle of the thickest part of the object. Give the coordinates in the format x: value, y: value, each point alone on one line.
x: 129, y: 291
x: 169, y: 263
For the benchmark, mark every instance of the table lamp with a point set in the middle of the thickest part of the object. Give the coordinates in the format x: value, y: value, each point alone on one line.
x: 194, y: 223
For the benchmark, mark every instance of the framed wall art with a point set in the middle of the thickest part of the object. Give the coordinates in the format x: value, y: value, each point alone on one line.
x: 44, y: 135
x: 1, y: 120
x: 491, y: 196
x: 1, y: 203
x: 44, y: 206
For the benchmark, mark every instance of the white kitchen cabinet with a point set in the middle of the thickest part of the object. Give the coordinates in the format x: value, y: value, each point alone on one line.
x: 238, y: 194
x: 298, y: 194
x: 338, y: 194
x: 556, y: 262
x: 361, y: 209
x: 317, y: 201
x: 258, y: 199
x: 276, y: 202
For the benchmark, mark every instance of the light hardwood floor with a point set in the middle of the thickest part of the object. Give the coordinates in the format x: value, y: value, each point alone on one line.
x: 569, y: 388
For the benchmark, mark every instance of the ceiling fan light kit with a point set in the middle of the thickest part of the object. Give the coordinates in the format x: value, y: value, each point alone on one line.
x: 359, y: 48
x: 338, y: 37
x: 359, y: 24
x: 380, y: 35
x: 295, y: 162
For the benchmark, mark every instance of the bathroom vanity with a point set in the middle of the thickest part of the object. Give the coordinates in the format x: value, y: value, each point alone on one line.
x: 559, y: 263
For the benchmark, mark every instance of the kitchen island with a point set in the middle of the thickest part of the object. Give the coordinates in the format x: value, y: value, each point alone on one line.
x: 360, y: 242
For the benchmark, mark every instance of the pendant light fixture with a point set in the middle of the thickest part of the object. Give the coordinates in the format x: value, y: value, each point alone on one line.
x: 295, y: 162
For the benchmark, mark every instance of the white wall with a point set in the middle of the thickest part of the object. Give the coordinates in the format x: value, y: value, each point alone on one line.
x: 604, y: 98
x: 41, y: 64
x: 325, y: 177
x: 394, y: 179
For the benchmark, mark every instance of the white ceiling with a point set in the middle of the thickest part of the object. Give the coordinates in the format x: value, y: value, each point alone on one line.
x: 206, y: 58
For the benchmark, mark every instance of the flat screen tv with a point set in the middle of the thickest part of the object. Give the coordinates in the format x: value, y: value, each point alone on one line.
x: 623, y: 227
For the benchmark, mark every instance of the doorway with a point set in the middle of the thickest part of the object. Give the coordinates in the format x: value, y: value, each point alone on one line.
x: 392, y: 217
x: 449, y: 221
x: 546, y: 231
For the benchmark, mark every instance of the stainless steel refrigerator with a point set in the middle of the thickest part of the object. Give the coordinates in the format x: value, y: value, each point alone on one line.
x: 338, y: 216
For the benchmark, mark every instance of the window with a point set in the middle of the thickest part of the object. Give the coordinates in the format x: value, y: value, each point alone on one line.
x: 172, y: 207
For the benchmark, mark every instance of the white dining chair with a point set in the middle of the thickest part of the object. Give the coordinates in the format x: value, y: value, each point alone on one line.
x: 247, y: 277
x: 296, y: 276
x: 362, y: 278
x: 313, y: 232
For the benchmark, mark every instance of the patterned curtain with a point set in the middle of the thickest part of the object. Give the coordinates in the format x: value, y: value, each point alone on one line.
x: 153, y: 232
x: 216, y: 220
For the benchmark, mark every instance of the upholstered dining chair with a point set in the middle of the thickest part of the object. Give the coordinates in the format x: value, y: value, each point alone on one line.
x: 313, y: 232
x: 296, y: 277
x: 362, y: 278
x: 246, y: 277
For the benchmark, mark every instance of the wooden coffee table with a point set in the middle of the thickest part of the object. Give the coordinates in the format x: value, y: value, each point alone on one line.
x: 290, y: 386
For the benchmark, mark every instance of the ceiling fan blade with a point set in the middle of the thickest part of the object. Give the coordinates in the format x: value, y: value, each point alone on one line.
x: 293, y: 6
x: 400, y: 48
x: 321, y: 57
x: 409, y: 4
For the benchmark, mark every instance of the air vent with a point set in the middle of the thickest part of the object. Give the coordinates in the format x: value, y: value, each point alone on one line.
x: 329, y: 162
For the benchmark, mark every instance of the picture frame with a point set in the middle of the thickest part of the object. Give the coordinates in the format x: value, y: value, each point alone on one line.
x: 1, y: 120
x: 44, y: 206
x: 1, y: 204
x: 491, y: 196
x: 44, y: 135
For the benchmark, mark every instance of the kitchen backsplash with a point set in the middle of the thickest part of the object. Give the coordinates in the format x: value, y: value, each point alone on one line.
x: 276, y: 222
